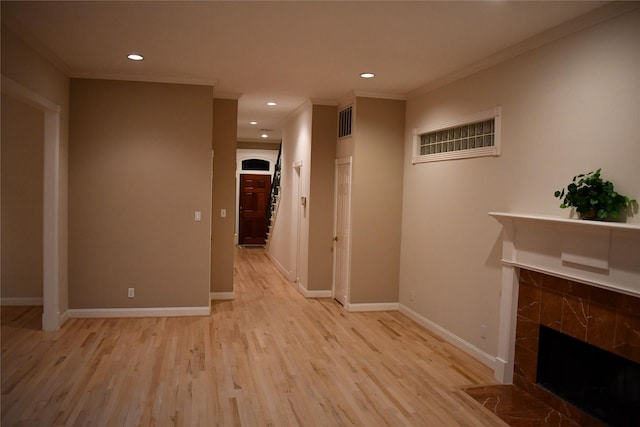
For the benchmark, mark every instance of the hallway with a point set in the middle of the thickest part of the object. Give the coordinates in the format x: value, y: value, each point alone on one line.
x: 268, y: 358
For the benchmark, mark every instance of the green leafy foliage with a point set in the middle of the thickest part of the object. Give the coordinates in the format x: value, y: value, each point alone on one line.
x: 593, y: 197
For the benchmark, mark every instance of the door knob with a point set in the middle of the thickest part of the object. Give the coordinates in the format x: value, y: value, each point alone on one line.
x: 335, y: 239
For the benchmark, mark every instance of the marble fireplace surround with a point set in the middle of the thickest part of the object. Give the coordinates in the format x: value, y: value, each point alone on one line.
x: 560, y: 256
x: 604, y: 318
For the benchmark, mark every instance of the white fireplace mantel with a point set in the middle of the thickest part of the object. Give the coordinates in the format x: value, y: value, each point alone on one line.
x: 598, y: 253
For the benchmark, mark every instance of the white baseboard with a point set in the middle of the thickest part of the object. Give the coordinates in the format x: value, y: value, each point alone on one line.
x: 314, y: 294
x: 319, y: 294
x: 81, y: 313
x: 221, y: 296
x: 21, y: 301
x: 63, y: 317
x: 503, y: 371
x: 381, y: 306
x: 451, y: 338
x: 284, y: 271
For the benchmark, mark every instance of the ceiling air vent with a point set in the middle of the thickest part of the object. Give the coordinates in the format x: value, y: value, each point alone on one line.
x: 344, y: 122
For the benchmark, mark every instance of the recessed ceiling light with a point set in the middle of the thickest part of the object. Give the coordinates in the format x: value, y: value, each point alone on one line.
x: 135, y: 57
x: 367, y: 75
x: 264, y: 135
x: 253, y: 122
x: 271, y: 104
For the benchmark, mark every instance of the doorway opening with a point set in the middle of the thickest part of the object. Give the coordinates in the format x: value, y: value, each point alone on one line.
x: 51, y: 205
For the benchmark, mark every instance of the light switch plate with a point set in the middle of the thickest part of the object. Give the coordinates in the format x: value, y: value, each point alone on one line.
x: 197, y: 216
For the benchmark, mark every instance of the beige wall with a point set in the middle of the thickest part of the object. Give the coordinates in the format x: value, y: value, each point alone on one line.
x: 321, y: 197
x: 22, y: 198
x: 30, y: 69
x: 569, y: 107
x: 291, y: 237
x: 140, y: 165
x: 300, y: 242
x: 225, y: 113
x: 376, y: 201
x: 281, y: 248
x: 309, y: 137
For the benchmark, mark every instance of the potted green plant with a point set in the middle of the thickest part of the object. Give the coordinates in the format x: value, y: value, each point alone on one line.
x: 593, y: 197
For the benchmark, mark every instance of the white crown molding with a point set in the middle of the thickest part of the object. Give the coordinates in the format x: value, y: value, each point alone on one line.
x: 595, y: 17
x: 36, y: 44
x: 321, y: 101
x: 350, y: 97
x: 137, y: 78
x: 347, y: 99
x: 226, y: 95
x: 379, y: 95
x: 306, y: 104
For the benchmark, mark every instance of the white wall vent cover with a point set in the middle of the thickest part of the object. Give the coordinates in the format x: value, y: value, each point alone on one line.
x: 345, y: 122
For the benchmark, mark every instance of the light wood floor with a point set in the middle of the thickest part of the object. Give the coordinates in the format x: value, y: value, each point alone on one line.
x: 268, y: 358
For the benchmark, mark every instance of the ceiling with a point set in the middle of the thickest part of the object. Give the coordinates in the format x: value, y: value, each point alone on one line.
x: 287, y: 52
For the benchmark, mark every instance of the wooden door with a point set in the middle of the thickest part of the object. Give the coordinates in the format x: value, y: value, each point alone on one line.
x: 342, y: 262
x: 254, y: 194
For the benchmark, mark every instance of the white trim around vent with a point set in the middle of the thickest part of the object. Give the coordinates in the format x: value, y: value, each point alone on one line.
x: 345, y: 121
x: 459, y: 152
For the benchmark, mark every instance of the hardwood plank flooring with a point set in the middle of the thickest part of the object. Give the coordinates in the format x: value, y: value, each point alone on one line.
x: 268, y: 358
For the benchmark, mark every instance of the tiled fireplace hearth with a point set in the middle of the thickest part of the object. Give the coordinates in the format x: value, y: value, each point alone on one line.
x: 579, y: 278
x: 606, y: 319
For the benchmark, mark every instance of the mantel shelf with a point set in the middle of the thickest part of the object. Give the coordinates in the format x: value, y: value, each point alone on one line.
x: 602, y: 254
x: 566, y: 221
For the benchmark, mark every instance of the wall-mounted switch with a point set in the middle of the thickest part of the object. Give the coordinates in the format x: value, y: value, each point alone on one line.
x: 131, y: 292
x: 223, y: 213
x: 197, y: 217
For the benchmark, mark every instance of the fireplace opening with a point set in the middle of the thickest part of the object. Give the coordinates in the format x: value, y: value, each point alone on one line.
x: 600, y: 383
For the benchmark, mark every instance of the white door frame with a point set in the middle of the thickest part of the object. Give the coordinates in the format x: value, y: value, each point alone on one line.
x: 246, y: 154
x: 342, y: 161
x: 51, y: 199
x: 297, y: 176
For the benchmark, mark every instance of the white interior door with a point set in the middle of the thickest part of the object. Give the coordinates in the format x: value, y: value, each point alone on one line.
x: 342, y: 263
